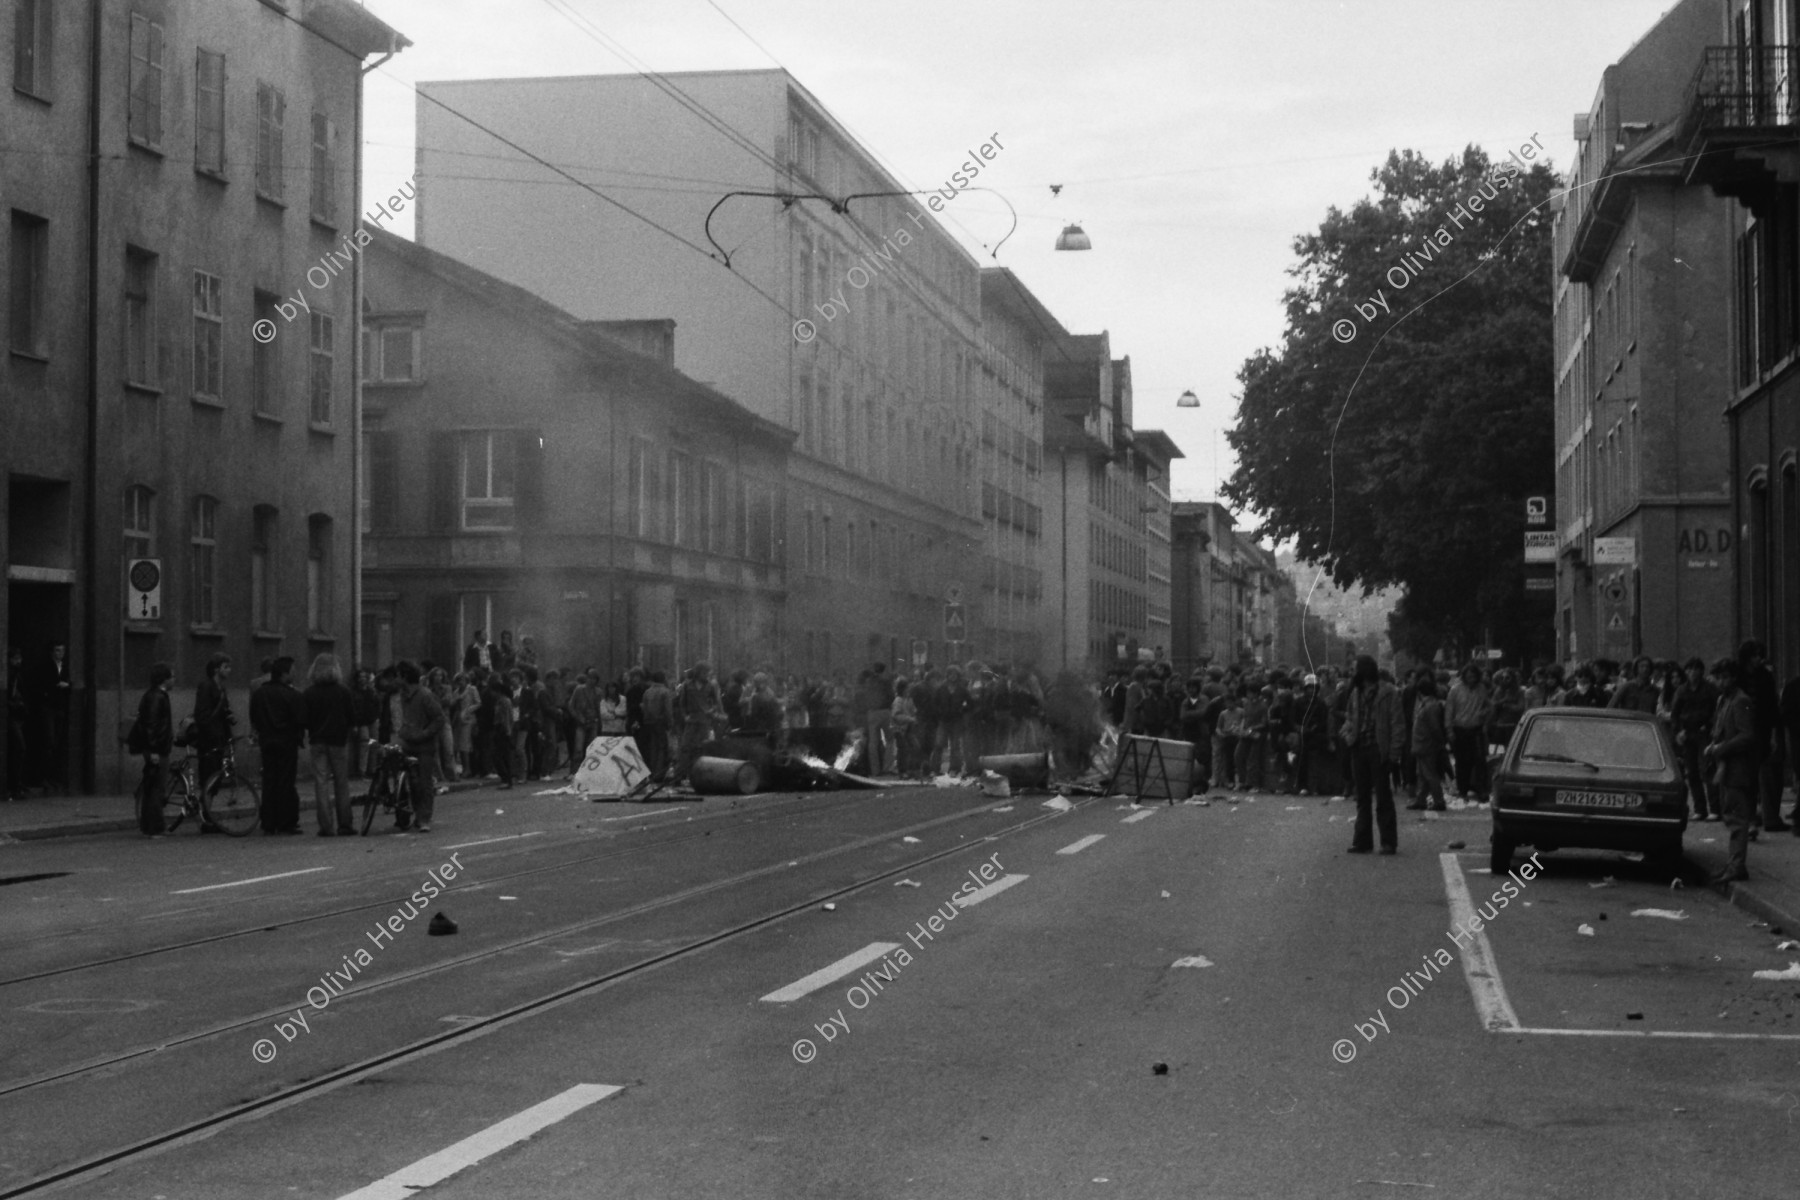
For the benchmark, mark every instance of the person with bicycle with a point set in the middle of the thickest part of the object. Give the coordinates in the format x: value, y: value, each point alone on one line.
x: 278, y: 714
x: 212, y: 722
x: 331, y: 714
x: 422, y: 721
x: 153, y: 736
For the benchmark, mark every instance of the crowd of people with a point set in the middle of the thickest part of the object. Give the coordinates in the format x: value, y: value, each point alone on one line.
x: 1356, y: 733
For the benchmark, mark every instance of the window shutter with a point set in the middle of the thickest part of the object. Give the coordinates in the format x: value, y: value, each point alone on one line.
x: 445, y: 484
x: 529, y: 480
x: 440, y: 645
x: 382, y: 447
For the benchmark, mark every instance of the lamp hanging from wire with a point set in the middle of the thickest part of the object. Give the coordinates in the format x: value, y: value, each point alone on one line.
x: 1073, y: 238
x: 1188, y: 400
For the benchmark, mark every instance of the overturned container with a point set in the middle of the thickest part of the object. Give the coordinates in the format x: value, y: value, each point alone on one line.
x: 1020, y: 770
x: 725, y: 776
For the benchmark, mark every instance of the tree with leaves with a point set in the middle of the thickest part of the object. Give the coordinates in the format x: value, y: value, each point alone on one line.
x: 1395, y: 434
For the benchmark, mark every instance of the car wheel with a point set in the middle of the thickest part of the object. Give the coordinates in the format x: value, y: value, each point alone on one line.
x: 1666, y: 857
x: 1500, y: 858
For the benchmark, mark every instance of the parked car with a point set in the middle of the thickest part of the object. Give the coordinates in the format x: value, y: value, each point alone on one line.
x: 1603, y: 778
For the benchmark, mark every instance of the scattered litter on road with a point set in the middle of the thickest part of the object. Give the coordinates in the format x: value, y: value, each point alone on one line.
x: 1667, y: 914
x: 499, y: 812
x: 1004, y: 808
x: 441, y: 926
x: 1676, y: 883
x: 1293, y: 808
x: 1059, y: 803
x: 993, y: 784
x: 1603, y: 916
x: 1607, y: 882
x: 1634, y: 1016
x: 1165, y: 895
x: 913, y: 840
x: 1159, y: 1068
x: 829, y: 907
x: 1788, y: 946
x: 1196, y: 960
x: 1457, y: 846
x: 1199, y: 803
x: 509, y: 897
x: 1792, y: 972
x: 1585, y: 930
x: 906, y: 883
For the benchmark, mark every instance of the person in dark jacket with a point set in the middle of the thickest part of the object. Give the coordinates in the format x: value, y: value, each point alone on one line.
x: 278, y: 716
x: 1430, y: 740
x: 422, y: 721
x: 368, y: 720
x: 331, y: 713
x: 1732, y: 755
x: 213, y: 721
x: 1691, y: 716
x: 1758, y: 682
x: 1311, y: 718
x: 1373, y: 731
x: 155, y: 737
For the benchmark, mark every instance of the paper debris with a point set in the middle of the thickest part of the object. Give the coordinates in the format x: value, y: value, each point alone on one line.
x: 1165, y: 895
x: 1788, y: 946
x: 914, y: 840
x: 1667, y: 914
x: 1585, y: 930
x: 1197, y: 960
x: 1059, y: 803
x: 906, y: 883
x: 829, y: 907
x: 1792, y: 972
x: 1676, y: 883
x: 1607, y: 882
x: 1004, y: 808
x: 509, y: 897
x: 1293, y: 808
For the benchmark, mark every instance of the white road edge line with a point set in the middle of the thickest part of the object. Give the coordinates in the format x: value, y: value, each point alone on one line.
x: 435, y: 1168
x: 1135, y: 817
x: 213, y: 887
x: 836, y: 971
x: 511, y: 837
x: 1083, y: 844
x: 655, y: 812
x: 1479, y: 967
x: 1665, y: 1033
x: 989, y: 892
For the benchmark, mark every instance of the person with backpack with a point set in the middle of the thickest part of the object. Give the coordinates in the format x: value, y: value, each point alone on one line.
x: 153, y: 736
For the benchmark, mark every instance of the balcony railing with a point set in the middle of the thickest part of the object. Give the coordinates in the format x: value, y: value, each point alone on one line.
x: 1743, y: 87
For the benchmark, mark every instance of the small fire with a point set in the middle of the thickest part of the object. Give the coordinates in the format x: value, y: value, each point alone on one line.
x: 816, y: 763
x: 848, y: 754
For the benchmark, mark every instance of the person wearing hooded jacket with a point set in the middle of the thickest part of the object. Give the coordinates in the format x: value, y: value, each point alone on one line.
x: 1373, y: 731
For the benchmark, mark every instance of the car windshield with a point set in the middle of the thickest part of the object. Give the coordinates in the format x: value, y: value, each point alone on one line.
x: 1600, y: 741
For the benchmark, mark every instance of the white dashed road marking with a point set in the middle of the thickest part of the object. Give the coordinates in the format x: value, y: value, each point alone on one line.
x: 438, y: 1167
x: 847, y: 965
x: 1138, y: 816
x: 511, y: 837
x: 213, y: 887
x: 989, y: 892
x: 1083, y: 844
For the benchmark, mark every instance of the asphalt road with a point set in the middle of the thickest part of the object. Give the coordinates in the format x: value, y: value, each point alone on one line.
x: 639, y: 1003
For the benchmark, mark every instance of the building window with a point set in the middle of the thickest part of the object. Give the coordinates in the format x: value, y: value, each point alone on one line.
x: 323, y: 365
x: 209, y: 112
x: 825, y: 546
x: 209, y: 336
x: 140, y: 522
x: 318, y: 573
x: 324, y: 170
x: 202, y: 548
x: 264, y: 545
x: 145, y: 118
x: 31, y: 47
x: 30, y: 268
x: 265, y: 374
x: 488, y: 462
x: 391, y: 354
x: 380, y: 506
x: 140, y: 317
x: 271, y: 116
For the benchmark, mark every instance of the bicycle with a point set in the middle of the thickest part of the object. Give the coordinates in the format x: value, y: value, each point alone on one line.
x: 390, y: 789
x: 228, y: 799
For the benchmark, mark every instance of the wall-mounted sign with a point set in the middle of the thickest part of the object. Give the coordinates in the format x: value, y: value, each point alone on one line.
x: 143, y: 589
x: 1615, y: 552
x: 1540, y: 547
x: 1540, y: 583
x: 1537, y: 510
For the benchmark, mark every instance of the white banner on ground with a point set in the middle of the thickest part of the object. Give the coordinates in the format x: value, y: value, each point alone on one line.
x: 612, y: 767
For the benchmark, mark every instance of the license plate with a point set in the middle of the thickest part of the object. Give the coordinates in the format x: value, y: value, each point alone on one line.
x: 1600, y: 799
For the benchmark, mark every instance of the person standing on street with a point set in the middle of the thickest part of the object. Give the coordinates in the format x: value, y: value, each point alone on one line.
x: 1731, y: 755
x: 1312, y: 725
x: 879, y: 720
x: 153, y: 736
x: 479, y: 656
x: 330, y: 717
x: 1429, y: 740
x: 1691, y: 717
x: 278, y: 716
x: 1373, y: 731
x: 1468, y: 711
x: 499, y: 707
x: 1758, y: 683
x: 421, y: 724
x: 213, y: 720
x: 1637, y: 693
x: 1790, y: 727
x: 18, y: 713
x: 653, y: 731
x: 55, y: 687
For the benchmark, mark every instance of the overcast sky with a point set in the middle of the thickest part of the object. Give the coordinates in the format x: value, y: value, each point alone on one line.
x: 1193, y: 138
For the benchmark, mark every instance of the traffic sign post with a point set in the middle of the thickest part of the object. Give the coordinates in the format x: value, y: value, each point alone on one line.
x: 143, y: 589
x: 955, y: 627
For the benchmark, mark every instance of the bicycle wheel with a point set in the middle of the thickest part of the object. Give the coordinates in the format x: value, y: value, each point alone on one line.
x: 403, y: 806
x: 177, y: 801
x: 232, y: 803
x: 370, y: 801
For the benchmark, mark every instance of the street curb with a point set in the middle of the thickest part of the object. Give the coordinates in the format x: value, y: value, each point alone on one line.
x: 1747, y: 899
x: 32, y: 833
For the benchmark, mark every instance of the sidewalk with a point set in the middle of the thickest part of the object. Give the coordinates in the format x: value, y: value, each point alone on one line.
x: 72, y: 816
x: 1773, y: 890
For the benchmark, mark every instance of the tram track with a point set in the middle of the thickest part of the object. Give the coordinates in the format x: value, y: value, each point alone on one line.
x: 299, y: 1092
